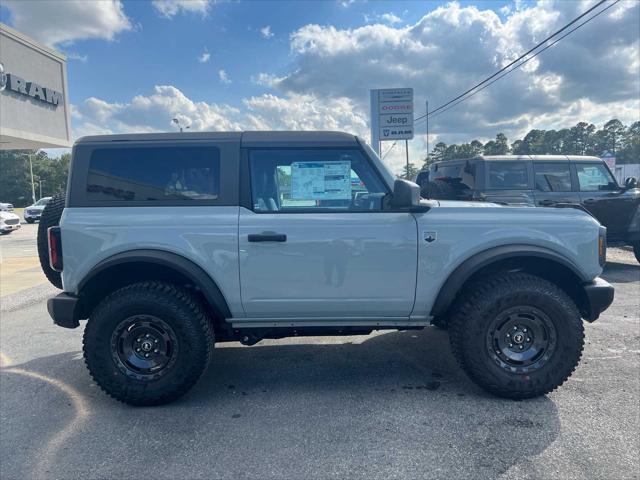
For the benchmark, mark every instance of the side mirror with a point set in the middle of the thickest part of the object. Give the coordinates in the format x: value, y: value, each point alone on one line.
x: 630, y: 183
x: 406, y: 195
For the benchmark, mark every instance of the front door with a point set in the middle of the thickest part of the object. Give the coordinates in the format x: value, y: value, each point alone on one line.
x: 603, y: 197
x: 316, y: 242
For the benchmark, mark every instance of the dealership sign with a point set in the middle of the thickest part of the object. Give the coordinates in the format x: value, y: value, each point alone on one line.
x: 16, y: 84
x: 391, y: 115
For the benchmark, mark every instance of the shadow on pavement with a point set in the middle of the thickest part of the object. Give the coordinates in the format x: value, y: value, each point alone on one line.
x: 621, y: 272
x: 394, y: 405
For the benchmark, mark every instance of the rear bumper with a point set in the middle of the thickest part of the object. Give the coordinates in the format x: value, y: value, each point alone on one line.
x: 63, y: 309
x: 599, y: 295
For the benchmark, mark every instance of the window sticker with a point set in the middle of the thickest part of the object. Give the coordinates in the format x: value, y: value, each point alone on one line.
x: 321, y: 181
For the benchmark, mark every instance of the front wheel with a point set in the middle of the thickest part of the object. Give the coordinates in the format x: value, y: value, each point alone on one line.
x: 516, y: 335
x: 636, y: 251
x: 148, y: 343
x: 30, y: 220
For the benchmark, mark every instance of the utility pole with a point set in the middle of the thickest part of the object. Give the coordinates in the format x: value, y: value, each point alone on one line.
x: 40, y: 184
x: 427, y: 117
x: 33, y: 187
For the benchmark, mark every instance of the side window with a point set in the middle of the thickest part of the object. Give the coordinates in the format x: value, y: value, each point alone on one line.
x: 290, y: 180
x: 154, y: 173
x: 594, y: 177
x: 552, y: 177
x: 459, y: 175
x: 507, y: 175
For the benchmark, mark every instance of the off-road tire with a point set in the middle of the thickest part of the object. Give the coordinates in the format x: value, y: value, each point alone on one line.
x: 50, y: 218
x: 175, y: 306
x: 487, y: 300
x: 636, y: 251
x: 30, y: 220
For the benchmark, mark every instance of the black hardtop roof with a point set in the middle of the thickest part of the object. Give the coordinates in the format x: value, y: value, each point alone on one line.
x: 538, y: 158
x: 249, y: 139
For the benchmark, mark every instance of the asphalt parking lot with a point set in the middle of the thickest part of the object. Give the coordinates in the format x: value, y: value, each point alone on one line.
x: 390, y: 405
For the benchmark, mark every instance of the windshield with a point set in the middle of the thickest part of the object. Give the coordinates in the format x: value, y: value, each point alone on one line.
x: 43, y: 201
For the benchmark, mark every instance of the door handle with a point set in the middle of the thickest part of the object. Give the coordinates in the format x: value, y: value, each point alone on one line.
x: 546, y: 203
x: 589, y: 201
x: 267, y: 237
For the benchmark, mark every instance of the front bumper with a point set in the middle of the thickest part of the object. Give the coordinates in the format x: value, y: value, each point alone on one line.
x: 599, y: 296
x: 9, y: 228
x: 33, y: 216
x: 63, y: 309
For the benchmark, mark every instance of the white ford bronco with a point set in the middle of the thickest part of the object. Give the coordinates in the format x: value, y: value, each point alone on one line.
x: 168, y: 243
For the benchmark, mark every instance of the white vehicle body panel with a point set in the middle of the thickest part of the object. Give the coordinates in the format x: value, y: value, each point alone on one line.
x: 208, y: 236
x: 331, y: 265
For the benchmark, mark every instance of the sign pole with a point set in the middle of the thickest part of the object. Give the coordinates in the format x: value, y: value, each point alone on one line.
x: 375, y: 122
x: 406, y: 149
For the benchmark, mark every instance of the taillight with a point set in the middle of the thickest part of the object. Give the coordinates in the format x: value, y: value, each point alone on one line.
x: 55, y: 248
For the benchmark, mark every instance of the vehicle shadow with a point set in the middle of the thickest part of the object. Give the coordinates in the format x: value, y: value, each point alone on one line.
x: 386, y: 405
x: 619, y: 272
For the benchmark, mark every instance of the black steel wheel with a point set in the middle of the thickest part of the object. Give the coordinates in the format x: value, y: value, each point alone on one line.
x: 144, y: 347
x: 521, y: 339
x: 148, y: 343
x: 516, y: 335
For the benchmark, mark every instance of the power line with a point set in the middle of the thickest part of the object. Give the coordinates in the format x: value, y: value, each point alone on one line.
x: 515, y: 61
x: 525, y: 61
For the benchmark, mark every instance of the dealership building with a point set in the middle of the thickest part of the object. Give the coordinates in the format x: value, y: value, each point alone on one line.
x: 34, y: 105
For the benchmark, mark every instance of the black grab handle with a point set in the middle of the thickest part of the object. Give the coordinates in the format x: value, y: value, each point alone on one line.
x: 267, y: 237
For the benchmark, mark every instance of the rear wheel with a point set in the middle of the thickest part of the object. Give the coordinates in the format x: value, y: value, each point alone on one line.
x: 50, y: 218
x: 517, y: 335
x: 148, y: 343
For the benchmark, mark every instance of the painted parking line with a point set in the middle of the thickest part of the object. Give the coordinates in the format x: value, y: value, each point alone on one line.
x: 43, y: 466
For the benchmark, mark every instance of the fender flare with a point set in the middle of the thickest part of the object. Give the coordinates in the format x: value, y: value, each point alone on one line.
x: 473, y: 264
x: 180, y: 264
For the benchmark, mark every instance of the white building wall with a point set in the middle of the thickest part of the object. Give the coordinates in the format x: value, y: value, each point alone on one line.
x: 626, y: 170
x: 26, y: 121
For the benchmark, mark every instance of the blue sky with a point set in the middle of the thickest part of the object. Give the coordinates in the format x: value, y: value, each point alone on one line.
x: 309, y: 65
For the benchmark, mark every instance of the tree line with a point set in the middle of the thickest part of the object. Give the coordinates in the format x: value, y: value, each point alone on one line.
x: 49, y: 175
x: 582, y: 139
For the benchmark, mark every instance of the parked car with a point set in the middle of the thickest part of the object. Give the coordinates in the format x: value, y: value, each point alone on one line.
x: 274, y: 242
x: 545, y: 181
x: 6, y: 207
x: 9, y: 221
x: 33, y: 212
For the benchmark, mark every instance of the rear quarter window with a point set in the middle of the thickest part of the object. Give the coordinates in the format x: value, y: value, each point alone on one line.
x: 507, y: 175
x: 154, y: 174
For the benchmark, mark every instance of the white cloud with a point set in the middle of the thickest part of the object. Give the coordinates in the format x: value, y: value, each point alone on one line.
x: 171, y: 8
x: 76, y: 56
x: 60, y: 23
x: 204, y: 57
x: 266, y: 80
x: 454, y: 47
x: 266, y: 31
x: 390, y: 18
x: 223, y: 76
